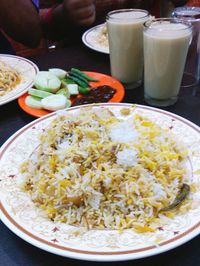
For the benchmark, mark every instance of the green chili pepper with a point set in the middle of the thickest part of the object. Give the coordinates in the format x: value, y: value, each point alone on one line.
x: 181, y: 196
x: 83, y: 90
x: 81, y: 73
x: 78, y: 76
x: 78, y: 81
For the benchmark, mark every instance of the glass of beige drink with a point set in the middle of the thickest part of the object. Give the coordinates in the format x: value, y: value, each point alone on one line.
x: 191, y: 75
x: 125, y: 36
x: 166, y: 43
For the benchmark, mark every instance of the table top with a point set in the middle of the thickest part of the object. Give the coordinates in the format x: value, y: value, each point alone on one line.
x: 15, y: 251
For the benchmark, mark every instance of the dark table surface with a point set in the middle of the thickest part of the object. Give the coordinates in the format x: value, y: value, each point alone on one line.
x: 13, y: 250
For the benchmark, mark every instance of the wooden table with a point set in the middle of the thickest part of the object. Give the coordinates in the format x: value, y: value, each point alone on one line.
x: 13, y: 250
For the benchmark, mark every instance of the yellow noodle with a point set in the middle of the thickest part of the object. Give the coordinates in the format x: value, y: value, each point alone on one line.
x: 9, y: 78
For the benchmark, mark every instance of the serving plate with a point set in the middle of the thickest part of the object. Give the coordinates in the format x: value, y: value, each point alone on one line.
x: 102, y: 80
x: 27, y: 70
x: 90, y: 39
x: 20, y: 215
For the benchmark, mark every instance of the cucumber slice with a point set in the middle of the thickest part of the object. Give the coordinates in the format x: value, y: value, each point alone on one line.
x: 73, y: 89
x: 68, y: 103
x: 67, y: 81
x: 47, y: 82
x: 33, y: 102
x: 54, y: 102
x: 39, y: 93
x: 64, y: 91
x: 58, y: 72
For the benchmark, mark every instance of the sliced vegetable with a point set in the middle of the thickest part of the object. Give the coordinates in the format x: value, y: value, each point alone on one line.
x: 33, y: 102
x: 68, y: 104
x: 47, y: 82
x: 81, y: 73
x: 39, y: 93
x: 65, y: 82
x: 73, y: 89
x: 83, y: 90
x: 53, y: 88
x: 64, y: 91
x: 54, y: 102
x: 58, y: 72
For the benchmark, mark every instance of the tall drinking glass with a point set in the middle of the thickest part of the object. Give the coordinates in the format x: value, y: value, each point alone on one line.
x: 125, y: 35
x: 191, y: 76
x: 166, y: 43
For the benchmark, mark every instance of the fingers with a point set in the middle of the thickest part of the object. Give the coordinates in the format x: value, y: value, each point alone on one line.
x: 86, y: 16
x: 81, y: 13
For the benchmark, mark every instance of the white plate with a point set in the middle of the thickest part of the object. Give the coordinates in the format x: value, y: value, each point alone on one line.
x: 27, y: 70
x: 20, y: 215
x: 90, y: 39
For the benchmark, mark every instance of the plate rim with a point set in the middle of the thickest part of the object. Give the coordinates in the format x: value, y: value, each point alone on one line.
x: 35, y: 67
x: 122, y: 91
x: 46, y: 245
x: 89, y: 45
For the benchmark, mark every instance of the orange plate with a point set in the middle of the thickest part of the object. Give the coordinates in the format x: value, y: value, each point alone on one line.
x: 103, y: 80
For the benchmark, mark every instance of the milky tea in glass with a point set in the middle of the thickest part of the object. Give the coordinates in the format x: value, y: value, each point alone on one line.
x: 191, y: 75
x: 125, y: 35
x: 166, y: 43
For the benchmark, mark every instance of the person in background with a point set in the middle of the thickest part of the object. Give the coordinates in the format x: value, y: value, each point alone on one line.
x: 167, y: 6
x: 71, y: 17
x: 20, y: 22
x: 65, y: 20
x: 68, y: 17
x: 193, y: 3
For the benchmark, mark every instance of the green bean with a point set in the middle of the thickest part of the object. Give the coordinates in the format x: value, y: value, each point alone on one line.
x: 81, y: 73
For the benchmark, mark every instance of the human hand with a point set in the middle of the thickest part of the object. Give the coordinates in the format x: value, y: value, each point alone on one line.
x: 80, y: 12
